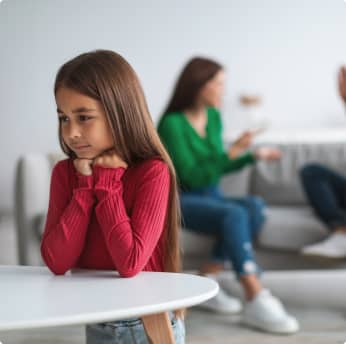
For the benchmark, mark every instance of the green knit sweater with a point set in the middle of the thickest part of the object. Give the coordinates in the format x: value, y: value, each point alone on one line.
x: 199, y: 161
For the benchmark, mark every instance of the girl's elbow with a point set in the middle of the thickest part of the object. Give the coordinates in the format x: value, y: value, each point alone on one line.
x: 58, y: 270
x: 129, y: 272
x: 54, y: 267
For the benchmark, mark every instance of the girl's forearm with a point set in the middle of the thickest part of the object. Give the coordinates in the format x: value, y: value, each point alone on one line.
x: 66, y: 228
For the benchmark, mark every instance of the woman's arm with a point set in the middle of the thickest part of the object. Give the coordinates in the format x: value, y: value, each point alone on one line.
x: 131, y: 239
x: 197, y: 172
x: 342, y: 83
x: 67, y: 220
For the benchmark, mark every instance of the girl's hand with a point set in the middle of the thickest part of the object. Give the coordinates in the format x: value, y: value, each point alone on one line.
x: 267, y: 153
x: 83, y: 166
x: 241, y: 144
x: 109, y: 159
x: 342, y: 83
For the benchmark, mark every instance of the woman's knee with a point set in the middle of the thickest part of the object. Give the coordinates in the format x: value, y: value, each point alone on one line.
x: 235, y: 218
x: 256, y: 204
x: 256, y: 207
x: 313, y: 170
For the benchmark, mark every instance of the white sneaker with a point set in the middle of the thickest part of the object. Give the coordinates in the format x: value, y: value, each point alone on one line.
x: 266, y: 312
x: 332, y: 247
x: 223, y: 303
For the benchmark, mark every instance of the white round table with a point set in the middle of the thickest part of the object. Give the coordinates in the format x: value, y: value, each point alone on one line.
x: 32, y: 297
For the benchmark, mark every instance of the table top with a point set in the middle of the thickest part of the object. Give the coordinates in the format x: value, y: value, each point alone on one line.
x: 32, y: 297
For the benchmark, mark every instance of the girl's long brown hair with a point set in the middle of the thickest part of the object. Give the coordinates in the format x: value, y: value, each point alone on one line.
x: 106, y: 76
x: 196, y: 73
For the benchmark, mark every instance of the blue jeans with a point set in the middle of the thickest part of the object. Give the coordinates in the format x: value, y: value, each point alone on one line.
x: 234, y: 222
x: 128, y: 332
x: 326, y: 192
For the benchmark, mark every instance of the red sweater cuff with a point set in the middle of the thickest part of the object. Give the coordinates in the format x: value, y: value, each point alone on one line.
x: 85, y: 189
x: 107, y: 180
x: 86, y: 182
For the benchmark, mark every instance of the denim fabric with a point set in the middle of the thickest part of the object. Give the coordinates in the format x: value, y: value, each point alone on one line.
x: 128, y: 332
x: 326, y: 192
x: 234, y: 222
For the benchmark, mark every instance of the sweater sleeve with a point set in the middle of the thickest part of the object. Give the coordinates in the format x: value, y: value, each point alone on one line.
x: 67, y: 219
x: 131, y: 239
x: 196, y: 172
x: 230, y: 165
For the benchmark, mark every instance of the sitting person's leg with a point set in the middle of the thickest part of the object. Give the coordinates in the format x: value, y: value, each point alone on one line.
x: 218, y: 259
x: 203, y: 215
x: 230, y: 223
x: 326, y: 192
x: 128, y: 331
x: 255, y: 207
x: 226, y: 221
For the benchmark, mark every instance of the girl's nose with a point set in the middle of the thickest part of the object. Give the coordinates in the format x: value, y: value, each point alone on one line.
x: 74, y: 131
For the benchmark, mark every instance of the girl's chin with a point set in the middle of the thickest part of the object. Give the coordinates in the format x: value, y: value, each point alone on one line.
x: 214, y: 104
x: 85, y: 156
x: 90, y: 155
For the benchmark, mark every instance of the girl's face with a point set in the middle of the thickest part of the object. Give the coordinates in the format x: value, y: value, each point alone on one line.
x: 212, y: 92
x: 84, y: 125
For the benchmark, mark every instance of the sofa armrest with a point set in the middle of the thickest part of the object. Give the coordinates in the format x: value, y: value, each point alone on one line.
x: 32, y: 183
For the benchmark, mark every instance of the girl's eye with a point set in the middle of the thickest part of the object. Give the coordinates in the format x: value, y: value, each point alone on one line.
x: 63, y: 119
x: 84, y: 118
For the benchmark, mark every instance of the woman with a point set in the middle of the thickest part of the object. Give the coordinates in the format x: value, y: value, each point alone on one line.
x: 191, y: 131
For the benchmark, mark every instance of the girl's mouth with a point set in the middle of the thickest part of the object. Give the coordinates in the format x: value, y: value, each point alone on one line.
x: 78, y: 148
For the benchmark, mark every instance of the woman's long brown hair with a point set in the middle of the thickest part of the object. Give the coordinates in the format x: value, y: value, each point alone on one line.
x: 196, y: 73
x: 107, y: 77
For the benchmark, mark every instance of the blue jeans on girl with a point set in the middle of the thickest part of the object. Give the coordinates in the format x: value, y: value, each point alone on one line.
x: 234, y: 222
x: 128, y: 332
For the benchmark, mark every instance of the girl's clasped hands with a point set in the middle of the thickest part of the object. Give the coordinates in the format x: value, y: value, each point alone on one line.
x: 108, y: 159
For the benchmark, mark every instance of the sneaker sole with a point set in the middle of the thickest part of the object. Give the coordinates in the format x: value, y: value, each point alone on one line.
x: 219, y: 311
x: 320, y: 257
x: 269, y: 330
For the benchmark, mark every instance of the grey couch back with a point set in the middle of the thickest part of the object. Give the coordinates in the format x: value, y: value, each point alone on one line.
x: 278, y: 182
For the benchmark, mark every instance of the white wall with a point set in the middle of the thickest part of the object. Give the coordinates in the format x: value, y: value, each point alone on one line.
x: 288, y: 51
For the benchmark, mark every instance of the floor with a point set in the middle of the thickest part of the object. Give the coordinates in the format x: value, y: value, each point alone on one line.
x: 318, y: 326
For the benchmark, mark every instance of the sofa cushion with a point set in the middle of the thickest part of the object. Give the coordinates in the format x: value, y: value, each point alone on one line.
x: 279, y: 183
x: 290, y: 228
x: 192, y: 243
x: 237, y: 183
x: 286, y: 228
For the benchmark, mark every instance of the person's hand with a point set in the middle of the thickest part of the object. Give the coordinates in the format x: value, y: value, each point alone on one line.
x: 109, y: 159
x: 240, y: 144
x: 342, y: 83
x: 83, y: 166
x: 267, y: 153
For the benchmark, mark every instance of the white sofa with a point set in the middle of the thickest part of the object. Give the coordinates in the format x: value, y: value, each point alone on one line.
x: 290, y: 221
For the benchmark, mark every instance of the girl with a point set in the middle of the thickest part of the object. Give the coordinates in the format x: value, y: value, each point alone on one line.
x: 113, y: 203
x: 191, y: 131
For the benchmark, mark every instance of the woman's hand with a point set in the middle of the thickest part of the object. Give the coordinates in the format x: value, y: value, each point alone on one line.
x: 109, y: 159
x: 83, y: 166
x: 267, y: 153
x: 241, y: 144
x: 342, y: 83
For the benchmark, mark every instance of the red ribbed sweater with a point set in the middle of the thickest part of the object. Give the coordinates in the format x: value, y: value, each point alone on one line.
x: 113, y: 219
